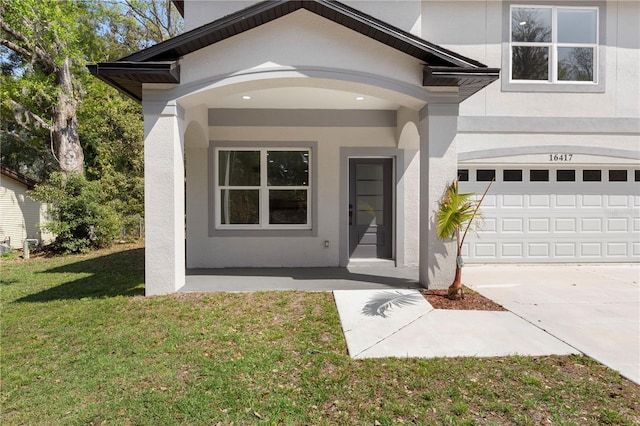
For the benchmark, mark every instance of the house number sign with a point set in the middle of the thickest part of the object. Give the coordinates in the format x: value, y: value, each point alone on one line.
x: 560, y: 158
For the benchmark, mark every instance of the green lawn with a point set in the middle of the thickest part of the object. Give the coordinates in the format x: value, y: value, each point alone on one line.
x: 81, y: 345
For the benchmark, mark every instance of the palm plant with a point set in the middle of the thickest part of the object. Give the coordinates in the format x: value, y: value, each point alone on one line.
x: 455, y: 212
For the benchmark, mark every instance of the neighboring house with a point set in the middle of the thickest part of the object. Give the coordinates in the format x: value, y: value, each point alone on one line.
x: 20, y: 216
x: 318, y: 133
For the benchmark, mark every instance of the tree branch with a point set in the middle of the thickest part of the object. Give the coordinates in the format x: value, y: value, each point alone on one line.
x: 26, y: 144
x: 152, y: 25
x: 16, y: 48
x: 36, y: 53
x: 15, y: 34
x: 20, y: 110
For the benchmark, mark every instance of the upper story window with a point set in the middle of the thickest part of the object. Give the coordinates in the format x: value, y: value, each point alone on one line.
x: 554, y: 44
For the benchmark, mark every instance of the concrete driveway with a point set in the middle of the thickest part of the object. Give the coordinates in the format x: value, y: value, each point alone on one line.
x: 593, y: 308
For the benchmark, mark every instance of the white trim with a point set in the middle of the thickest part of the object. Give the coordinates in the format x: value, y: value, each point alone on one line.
x: 553, y: 46
x: 263, y: 190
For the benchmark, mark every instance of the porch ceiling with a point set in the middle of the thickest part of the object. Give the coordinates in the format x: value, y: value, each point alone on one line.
x: 300, y: 98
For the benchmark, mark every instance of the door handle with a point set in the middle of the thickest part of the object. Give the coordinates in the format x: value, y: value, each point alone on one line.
x: 350, y: 214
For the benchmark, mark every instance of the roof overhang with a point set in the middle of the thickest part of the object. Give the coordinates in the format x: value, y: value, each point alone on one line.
x: 19, y: 177
x: 159, y: 63
x: 179, y: 4
x: 128, y: 76
x: 468, y: 80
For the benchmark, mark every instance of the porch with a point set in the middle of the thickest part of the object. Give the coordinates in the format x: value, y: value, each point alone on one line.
x: 352, y: 277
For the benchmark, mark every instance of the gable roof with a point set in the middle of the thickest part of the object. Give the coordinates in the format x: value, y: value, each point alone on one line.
x: 159, y: 63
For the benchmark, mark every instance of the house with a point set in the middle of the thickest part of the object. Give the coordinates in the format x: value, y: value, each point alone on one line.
x: 560, y: 132
x: 320, y: 133
x: 20, y: 216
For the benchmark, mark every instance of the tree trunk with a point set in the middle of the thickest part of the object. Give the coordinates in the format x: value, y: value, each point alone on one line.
x: 64, y: 129
x: 455, y: 289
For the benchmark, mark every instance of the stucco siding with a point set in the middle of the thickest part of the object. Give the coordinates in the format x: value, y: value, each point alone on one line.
x: 255, y: 251
x: 298, y: 41
x: 481, y: 36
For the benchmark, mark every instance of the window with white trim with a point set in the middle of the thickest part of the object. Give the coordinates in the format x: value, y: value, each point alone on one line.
x: 554, y: 44
x: 263, y: 188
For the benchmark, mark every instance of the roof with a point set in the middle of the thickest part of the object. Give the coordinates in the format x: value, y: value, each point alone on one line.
x: 179, y: 4
x: 160, y: 63
x: 17, y: 176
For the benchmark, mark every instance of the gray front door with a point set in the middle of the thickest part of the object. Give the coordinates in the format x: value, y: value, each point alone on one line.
x: 370, y: 208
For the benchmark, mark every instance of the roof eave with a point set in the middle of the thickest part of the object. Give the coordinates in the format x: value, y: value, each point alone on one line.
x: 19, y: 177
x: 179, y: 4
x: 135, y: 74
x: 468, y: 80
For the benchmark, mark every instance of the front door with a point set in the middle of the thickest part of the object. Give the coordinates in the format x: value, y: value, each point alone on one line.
x: 370, y: 208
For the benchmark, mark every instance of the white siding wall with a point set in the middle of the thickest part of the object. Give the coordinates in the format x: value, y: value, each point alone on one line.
x: 19, y: 214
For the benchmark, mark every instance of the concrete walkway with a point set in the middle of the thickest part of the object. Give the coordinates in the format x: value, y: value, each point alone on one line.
x: 401, y: 323
x: 553, y: 309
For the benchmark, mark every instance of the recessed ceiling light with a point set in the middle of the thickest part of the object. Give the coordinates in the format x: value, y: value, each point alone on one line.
x: 359, y: 98
x: 246, y: 97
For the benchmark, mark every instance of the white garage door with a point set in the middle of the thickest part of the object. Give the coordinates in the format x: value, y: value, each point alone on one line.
x: 538, y: 214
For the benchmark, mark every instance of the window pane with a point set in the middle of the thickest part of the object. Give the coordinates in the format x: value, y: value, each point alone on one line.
x: 577, y: 25
x: 288, y: 207
x: 240, y: 207
x: 530, y: 63
x: 512, y: 175
x: 485, y: 175
x: 591, y: 175
x: 463, y: 175
x: 637, y: 175
x: 370, y: 217
x: 239, y: 168
x: 617, y: 175
x: 288, y: 168
x: 575, y: 63
x: 539, y: 175
x: 531, y: 24
x: 565, y: 175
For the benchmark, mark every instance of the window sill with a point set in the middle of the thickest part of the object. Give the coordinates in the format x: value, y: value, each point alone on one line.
x: 543, y: 87
x: 263, y: 233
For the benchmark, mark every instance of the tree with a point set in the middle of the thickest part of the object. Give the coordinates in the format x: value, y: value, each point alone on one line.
x: 45, y: 41
x: 157, y: 20
x: 80, y: 220
x: 455, y: 212
x: 57, y: 117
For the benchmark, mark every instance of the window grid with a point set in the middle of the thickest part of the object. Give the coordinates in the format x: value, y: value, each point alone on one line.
x: 263, y: 189
x: 553, y: 47
x: 544, y: 175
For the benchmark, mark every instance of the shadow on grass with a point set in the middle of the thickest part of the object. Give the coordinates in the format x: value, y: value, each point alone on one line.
x: 116, y: 274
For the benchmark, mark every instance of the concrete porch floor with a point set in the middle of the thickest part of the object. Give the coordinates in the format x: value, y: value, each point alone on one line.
x: 357, y: 277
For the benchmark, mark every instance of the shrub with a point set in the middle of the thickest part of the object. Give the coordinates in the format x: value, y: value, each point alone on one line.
x: 79, y: 218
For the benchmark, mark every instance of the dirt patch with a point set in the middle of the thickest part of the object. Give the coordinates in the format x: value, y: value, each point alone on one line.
x: 472, y: 301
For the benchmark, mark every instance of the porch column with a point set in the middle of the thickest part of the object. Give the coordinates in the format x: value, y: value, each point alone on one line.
x: 164, y: 197
x: 438, y: 167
